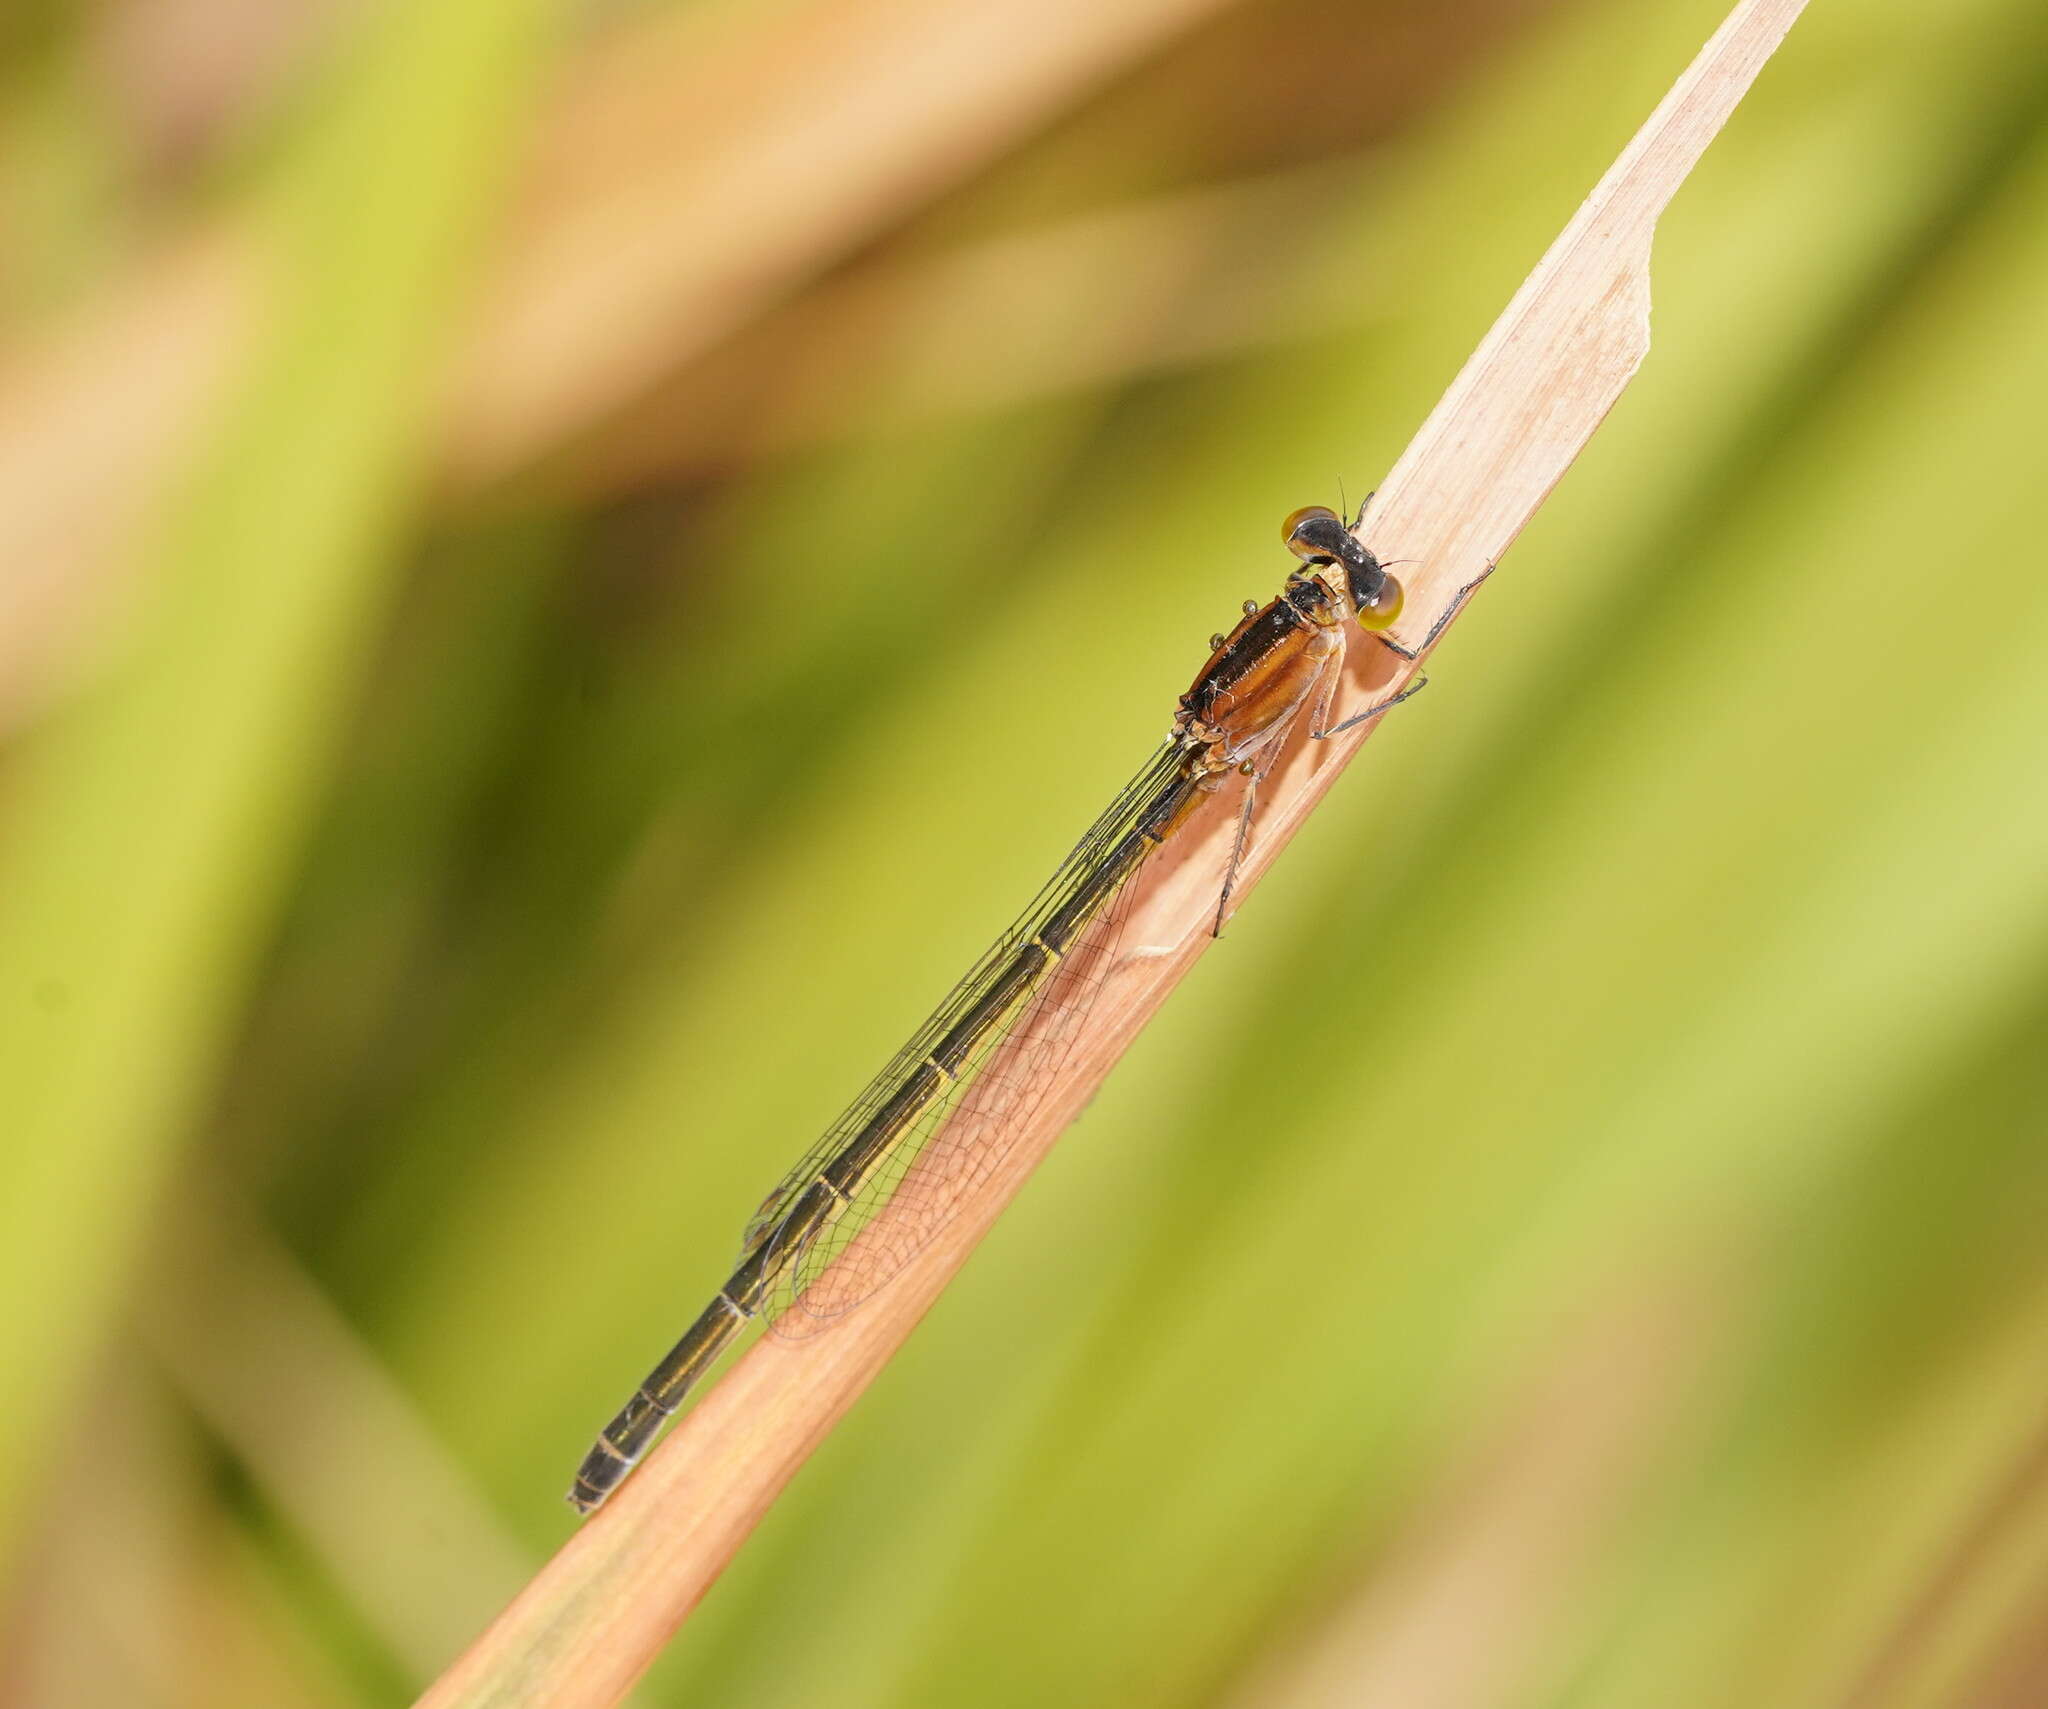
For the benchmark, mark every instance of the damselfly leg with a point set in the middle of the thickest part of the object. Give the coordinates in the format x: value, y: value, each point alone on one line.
x: 1442, y: 623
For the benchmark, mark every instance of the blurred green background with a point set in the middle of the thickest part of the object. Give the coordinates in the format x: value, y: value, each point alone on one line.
x: 540, y: 552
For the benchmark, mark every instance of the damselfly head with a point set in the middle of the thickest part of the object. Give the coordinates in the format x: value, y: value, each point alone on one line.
x: 1378, y: 604
x: 1316, y: 534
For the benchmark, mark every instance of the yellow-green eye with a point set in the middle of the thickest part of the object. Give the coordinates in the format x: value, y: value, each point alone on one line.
x: 1295, y: 519
x: 1384, y: 610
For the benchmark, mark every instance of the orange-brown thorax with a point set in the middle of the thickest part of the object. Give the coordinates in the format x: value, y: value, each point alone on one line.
x: 1266, y: 669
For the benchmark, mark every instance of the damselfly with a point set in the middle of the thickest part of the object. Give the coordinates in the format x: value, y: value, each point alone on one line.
x: 939, y: 1116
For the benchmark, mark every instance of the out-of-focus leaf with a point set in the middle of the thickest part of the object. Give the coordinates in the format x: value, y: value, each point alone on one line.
x: 149, y: 823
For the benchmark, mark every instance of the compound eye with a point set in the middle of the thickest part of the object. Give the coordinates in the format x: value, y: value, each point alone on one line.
x: 1383, y: 611
x: 1298, y: 519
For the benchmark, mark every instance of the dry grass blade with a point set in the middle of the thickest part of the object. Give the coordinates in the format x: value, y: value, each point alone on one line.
x: 1502, y: 436
x: 690, y: 184
x: 1095, y: 299
x: 75, y: 474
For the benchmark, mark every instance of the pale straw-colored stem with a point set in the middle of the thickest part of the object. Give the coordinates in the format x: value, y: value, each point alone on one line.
x: 1505, y: 432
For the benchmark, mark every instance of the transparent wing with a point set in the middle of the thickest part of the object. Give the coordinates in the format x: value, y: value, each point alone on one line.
x: 957, y: 1138
x: 953, y: 1146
